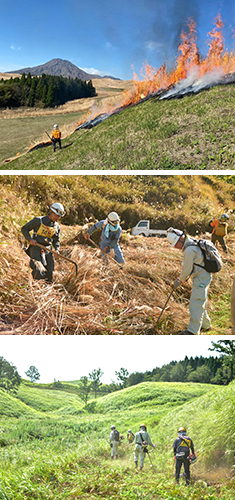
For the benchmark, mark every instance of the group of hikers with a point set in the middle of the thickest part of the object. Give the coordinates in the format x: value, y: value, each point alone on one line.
x: 201, y: 258
x: 182, y: 446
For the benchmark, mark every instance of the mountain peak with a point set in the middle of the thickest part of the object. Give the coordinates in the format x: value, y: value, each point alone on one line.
x: 60, y: 67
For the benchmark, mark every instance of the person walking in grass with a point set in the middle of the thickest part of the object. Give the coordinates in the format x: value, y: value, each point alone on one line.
x: 46, y: 232
x: 130, y: 436
x: 110, y: 236
x: 181, y: 448
x: 114, y: 440
x: 142, y: 440
x: 193, y: 265
x: 219, y: 230
x: 56, y: 137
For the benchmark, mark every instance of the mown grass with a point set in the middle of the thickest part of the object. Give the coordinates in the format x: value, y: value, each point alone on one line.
x: 50, y: 456
x: 196, y: 132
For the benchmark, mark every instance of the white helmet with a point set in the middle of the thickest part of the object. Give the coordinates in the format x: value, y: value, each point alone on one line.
x: 58, y: 209
x: 173, y: 235
x: 112, y: 427
x: 113, y: 218
x: 55, y: 126
x: 224, y: 217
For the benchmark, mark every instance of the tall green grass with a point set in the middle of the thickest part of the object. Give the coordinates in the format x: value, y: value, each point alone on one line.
x: 49, y: 456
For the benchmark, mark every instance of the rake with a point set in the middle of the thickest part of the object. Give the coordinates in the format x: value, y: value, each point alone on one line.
x: 59, y: 255
x: 89, y: 239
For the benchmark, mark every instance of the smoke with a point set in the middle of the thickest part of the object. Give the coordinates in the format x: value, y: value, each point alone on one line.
x: 171, y: 18
x: 194, y: 84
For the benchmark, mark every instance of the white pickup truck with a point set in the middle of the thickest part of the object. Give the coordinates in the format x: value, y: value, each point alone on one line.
x: 143, y: 229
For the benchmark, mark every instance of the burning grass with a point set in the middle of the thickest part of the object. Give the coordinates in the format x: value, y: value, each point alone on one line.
x: 99, y: 300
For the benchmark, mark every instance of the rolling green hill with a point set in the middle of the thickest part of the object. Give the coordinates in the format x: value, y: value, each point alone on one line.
x: 196, y: 132
x: 46, y: 454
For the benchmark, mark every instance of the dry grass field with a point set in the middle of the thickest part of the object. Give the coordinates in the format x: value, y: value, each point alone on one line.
x: 22, y: 128
x: 104, y: 300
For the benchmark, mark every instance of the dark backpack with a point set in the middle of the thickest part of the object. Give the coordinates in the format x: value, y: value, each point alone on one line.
x: 182, y: 454
x: 212, y: 259
x: 116, y: 435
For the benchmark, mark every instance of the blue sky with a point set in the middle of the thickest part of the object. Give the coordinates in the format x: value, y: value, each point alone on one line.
x: 70, y: 357
x: 105, y: 36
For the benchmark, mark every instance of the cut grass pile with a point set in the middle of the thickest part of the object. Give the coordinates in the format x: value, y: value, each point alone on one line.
x: 108, y: 300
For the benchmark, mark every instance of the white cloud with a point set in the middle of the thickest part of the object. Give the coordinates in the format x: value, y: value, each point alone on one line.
x: 13, y: 47
x: 93, y: 71
x: 70, y: 357
x: 153, y: 46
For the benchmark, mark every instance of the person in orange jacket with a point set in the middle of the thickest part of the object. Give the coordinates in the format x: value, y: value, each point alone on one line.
x: 219, y: 230
x: 56, y: 137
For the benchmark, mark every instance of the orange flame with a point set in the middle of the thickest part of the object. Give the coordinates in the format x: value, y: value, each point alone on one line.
x: 189, y: 58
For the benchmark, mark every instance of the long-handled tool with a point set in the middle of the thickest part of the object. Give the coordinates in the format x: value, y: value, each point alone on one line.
x: 49, y: 136
x: 164, y: 307
x: 59, y: 255
x: 148, y: 453
x: 89, y: 239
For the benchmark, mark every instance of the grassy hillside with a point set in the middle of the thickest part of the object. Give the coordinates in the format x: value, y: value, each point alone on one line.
x: 110, y: 300
x: 196, y: 132
x: 52, y: 455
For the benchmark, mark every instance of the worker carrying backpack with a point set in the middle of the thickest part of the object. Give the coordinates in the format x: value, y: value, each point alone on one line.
x: 212, y: 259
x: 116, y: 435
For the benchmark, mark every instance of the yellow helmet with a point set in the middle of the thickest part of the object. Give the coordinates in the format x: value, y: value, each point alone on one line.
x: 181, y: 429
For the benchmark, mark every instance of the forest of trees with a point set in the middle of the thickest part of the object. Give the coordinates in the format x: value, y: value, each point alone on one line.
x: 210, y: 370
x: 43, y: 91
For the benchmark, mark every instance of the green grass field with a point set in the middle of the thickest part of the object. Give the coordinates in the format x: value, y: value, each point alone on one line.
x: 196, y: 132
x: 47, y: 452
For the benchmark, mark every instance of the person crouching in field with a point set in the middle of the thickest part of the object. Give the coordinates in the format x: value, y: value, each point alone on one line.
x: 142, y: 440
x: 46, y: 232
x: 111, y: 232
x: 56, y: 137
x: 181, y: 447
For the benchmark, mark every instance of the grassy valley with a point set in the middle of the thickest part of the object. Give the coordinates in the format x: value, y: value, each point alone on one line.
x: 196, y: 132
x: 54, y: 446
x: 109, y: 300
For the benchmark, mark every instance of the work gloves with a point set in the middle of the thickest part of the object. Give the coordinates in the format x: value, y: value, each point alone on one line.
x: 177, y: 283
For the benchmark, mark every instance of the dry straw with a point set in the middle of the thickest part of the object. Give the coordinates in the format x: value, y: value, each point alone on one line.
x: 99, y: 300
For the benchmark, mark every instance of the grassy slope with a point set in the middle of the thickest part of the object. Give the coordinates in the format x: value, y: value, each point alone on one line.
x: 50, y: 456
x: 151, y: 265
x: 196, y: 132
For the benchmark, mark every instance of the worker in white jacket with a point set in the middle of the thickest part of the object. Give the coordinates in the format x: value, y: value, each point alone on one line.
x: 193, y: 259
x: 142, y: 440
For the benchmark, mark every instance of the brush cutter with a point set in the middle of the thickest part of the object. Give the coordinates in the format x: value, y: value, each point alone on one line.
x: 89, y: 239
x: 59, y: 255
x: 164, y: 307
x: 148, y: 453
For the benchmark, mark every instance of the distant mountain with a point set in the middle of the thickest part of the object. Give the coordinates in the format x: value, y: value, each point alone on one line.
x: 60, y: 67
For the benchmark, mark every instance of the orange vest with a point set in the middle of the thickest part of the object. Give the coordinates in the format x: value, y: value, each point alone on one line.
x: 56, y: 134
